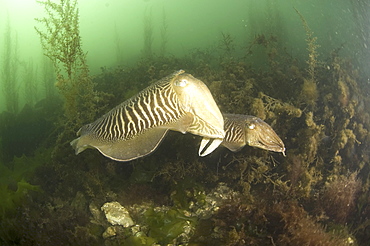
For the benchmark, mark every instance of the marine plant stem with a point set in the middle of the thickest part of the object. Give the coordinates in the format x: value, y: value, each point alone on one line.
x: 148, y: 35
x: 61, y: 41
x: 9, y: 70
x: 312, y: 47
x: 164, y: 33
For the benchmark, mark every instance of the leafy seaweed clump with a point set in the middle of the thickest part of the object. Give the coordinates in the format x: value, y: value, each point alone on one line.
x: 15, y: 180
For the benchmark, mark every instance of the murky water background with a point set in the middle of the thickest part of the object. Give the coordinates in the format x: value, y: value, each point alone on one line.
x: 301, y: 66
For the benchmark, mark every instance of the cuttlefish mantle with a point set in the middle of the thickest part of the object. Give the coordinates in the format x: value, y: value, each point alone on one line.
x: 136, y: 127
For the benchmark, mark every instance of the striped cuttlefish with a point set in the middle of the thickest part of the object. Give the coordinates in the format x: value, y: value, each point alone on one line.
x: 178, y: 102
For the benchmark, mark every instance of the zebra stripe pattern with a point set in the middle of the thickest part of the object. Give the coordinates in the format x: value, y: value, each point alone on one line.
x: 155, y: 106
x: 234, y: 131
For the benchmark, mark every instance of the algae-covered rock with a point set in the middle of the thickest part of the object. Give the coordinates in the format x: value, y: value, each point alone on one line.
x: 109, y: 232
x: 116, y: 214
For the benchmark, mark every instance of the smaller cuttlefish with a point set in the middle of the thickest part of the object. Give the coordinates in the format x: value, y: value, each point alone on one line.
x: 137, y: 126
x: 241, y: 130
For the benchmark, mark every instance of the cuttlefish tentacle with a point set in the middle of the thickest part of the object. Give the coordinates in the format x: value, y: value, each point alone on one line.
x: 136, y: 127
x: 197, y: 99
x: 241, y: 130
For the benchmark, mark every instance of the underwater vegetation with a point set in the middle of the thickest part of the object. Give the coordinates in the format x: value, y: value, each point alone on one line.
x: 9, y: 70
x: 317, y: 195
x: 148, y: 34
x: 15, y: 180
x: 60, y: 39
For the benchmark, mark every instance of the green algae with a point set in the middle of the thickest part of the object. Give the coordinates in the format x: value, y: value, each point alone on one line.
x: 139, y: 241
x: 15, y: 180
x: 167, y: 225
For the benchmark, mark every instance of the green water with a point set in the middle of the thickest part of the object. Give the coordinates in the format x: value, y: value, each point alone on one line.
x: 302, y: 66
x: 107, y: 26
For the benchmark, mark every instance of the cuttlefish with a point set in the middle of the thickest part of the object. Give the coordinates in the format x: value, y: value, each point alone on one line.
x: 241, y: 130
x: 136, y: 127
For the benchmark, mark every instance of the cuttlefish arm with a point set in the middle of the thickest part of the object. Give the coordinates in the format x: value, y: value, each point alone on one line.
x: 208, y: 122
x: 136, y: 127
x: 241, y: 130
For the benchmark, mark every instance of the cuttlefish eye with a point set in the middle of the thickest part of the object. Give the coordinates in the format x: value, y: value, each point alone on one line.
x: 181, y: 83
x: 251, y: 126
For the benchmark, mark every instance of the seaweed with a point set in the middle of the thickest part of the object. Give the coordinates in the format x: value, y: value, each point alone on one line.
x: 48, y: 77
x: 30, y: 88
x: 312, y: 48
x: 309, y: 93
x: 164, y: 34
x: 148, y: 35
x: 15, y: 180
x: 9, y: 70
x: 167, y: 225
x: 118, y: 46
x: 226, y: 44
x: 299, y: 228
x: 339, y: 197
x: 61, y: 42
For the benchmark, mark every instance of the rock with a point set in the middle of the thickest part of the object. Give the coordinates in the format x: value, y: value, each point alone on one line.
x: 96, y: 214
x: 79, y: 202
x: 109, y: 232
x: 116, y: 214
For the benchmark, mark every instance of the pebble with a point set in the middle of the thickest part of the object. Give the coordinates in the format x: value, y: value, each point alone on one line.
x: 116, y: 214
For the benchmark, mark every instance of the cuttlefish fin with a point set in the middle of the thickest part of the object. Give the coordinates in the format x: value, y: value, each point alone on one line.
x: 124, y: 150
x: 208, y: 145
